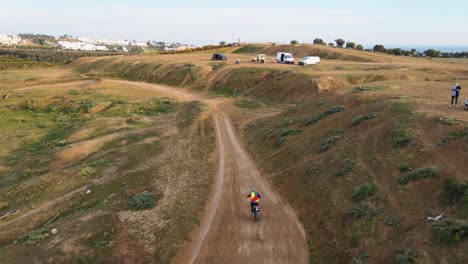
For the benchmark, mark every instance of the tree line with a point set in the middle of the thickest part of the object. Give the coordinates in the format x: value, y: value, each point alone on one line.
x: 340, y: 43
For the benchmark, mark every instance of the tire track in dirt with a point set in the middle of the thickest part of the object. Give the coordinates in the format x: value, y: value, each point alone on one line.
x: 233, y: 235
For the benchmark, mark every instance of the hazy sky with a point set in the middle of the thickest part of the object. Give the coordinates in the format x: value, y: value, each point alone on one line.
x: 396, y: 22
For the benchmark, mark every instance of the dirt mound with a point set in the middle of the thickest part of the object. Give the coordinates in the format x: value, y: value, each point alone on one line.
x: 273, y: 85
x: 176, y: 74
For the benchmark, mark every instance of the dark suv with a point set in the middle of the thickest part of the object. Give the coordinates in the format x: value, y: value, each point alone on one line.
x: 219, y: 56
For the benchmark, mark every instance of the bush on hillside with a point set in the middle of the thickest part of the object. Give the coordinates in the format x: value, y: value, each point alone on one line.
x: 403, y: 166
x: 364, y: 209
x: 406, y: 256
x: 450, y: 231
x: 350, y: 45
x: 454, y: 191
x: 246, y: 103
x: 364, y: 191
x: 339, y: 42
x: 346, y: 168
x: 361, y: 89
x: 333, y: 110
x: 400, y: 134
x: 142, y: 201
x: 447, y: 121
x: 294, y: 42
x: 392, y: 220
x: 319, y: 41
x: 421, y: 173
x: 361, y: 258
x: 361, y: 118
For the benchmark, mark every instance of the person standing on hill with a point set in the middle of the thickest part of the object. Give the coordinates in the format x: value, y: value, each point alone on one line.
x: 455, y: 94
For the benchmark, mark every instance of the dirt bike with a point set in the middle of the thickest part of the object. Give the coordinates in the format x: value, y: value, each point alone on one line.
x: 256, y: 212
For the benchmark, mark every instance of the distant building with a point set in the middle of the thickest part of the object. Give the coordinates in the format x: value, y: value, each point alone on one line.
x: 9, y: 40
x: 78, y: 45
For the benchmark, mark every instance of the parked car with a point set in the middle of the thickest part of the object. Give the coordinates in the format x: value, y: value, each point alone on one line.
x: 283, y: 57
x: 309, y: 60
x: 219, y: 56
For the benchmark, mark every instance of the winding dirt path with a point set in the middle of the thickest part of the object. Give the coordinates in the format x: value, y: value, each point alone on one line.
x: 228, y: 232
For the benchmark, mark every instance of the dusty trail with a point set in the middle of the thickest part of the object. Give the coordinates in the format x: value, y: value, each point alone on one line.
x: 228, y: 232
x: 232, y: 235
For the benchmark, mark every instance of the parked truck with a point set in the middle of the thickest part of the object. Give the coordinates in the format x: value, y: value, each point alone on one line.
x: 283, y: 57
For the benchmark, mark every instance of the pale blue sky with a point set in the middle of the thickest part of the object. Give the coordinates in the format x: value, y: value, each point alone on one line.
x: 397, y: 22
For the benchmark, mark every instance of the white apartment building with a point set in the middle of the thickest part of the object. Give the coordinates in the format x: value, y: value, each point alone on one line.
x: 76, y: 45
x: 9, y: 40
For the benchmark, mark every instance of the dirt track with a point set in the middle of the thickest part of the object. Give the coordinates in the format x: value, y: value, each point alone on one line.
x: 228, y: 232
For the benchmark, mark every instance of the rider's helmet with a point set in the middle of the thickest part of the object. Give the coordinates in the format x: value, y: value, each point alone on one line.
x: 253, y: 189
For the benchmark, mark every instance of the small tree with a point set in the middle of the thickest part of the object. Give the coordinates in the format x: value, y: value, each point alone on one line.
x: 339, y: 42
x: 350, y: 44
x: 359, y: 47
x: 397, y: 52
x: 379, y: 48
x: 222, y: 43
x: 432, y: 53
x: 331, y: 44
x: 319, y: 41
x: 294, y: 42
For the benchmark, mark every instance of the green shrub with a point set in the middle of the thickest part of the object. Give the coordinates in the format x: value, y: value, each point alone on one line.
x: 447, y: 121
x: 458, y: 134
x: 245, y: 103
x: 291, y: 132
x: 99, y: 243
x: 310, y: 172
x: 142, y: 201
x: 217, y: 65
x: 454, y: 191
x: 364, y: 209
x: 450, y: 231
x: 403, y: 166
x: 364, y: 191
x: 158, y: 105
x: 362, y: 118
x: 333, y: 110
x: 400, y: 135
x: 421, y: 173
x: 401, y: 138
x: 392, y: 220
x: 346, y: 168
x: 280, y: 141
x: 406, y: 256
x: 327, y: 143
x: 35, y: 235
x: 361, y: 89
x: 361, y: 258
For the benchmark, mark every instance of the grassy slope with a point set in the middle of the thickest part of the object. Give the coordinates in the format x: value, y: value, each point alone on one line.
x: 319, y: 160
x: 148, y: 153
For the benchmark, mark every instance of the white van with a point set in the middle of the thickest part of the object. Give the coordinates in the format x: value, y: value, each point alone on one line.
x: 283, y: 57
x: 309, y: 60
